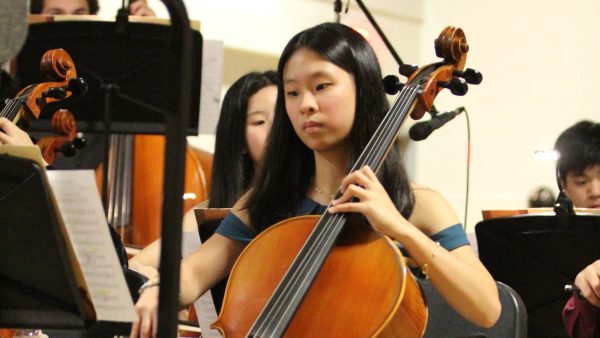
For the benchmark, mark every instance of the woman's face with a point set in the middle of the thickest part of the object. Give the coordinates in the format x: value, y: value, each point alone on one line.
x: 320, y: 99
x: 73, y: 7
x: 259, y: 118
x: 584, y: 188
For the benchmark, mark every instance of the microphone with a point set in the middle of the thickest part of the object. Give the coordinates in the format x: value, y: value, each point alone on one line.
x: 422, y: 130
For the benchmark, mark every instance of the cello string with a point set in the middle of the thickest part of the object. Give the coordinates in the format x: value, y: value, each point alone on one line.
x: 11, y: 109
x: 382, y: 144
x: 330, y: 230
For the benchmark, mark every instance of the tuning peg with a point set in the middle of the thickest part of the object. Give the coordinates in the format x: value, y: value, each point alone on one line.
x: 457, y: 86
x: 68, y: 149
x: 470, y: 75
x: 55, y: 93
x: 392, y: 84
x: 407, y: 70
x: 78, y: 86
x: 79, y: 142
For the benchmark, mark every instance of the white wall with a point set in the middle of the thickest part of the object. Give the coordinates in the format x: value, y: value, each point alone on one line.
x: 539, y: 61
x: 537, y: 58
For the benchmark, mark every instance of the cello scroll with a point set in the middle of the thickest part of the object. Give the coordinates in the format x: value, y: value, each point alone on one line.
x: 452, y: 46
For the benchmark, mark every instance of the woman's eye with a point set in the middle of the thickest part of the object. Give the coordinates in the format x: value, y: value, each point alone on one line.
x: 321, y: 86
x: 258, y: 123
x: 291, y: 93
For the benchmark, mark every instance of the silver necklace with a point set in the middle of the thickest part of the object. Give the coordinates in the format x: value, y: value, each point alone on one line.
x: 323, y: 192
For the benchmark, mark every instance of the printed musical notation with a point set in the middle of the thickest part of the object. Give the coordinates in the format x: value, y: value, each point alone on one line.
x: 79, y: 204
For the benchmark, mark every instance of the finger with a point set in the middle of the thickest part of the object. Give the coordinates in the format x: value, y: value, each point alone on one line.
x: 6, y: 125
x: 586, y: 290
x: 369, y: 172
x: 135, y: 329
x: 352, y: 190
x: 146, y: 326
x: 594, y: 282
x: 355, y: 207
x: 362, y: 179
x: 356, y: 177
x: 154, y: 323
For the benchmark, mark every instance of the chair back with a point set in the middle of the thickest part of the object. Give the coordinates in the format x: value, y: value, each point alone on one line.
x: 444, y: 321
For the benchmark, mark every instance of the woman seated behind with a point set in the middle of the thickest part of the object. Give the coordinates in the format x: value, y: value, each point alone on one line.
x: 244, y: 123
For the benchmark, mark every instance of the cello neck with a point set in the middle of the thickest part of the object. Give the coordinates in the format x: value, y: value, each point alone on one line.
x: 384, y: 137
x: 12, y: 109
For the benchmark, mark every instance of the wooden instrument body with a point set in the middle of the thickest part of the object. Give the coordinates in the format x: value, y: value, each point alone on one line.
x: 365, y: 274
x: 147, y: 183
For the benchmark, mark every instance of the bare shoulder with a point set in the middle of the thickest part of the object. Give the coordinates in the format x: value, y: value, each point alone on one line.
x: 432, y: 212
x: 189, y: 219
x: 239, y: 209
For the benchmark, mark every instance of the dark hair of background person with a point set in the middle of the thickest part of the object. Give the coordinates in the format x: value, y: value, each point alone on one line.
x: 579, y: 148
x: 35, y: 6
x: 233, y: 168
x: 288, y: 164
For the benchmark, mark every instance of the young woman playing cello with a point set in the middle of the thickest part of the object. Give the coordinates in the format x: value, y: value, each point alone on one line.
x: 330, y: 101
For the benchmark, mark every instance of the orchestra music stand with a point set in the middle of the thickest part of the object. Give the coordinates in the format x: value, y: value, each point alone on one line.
x: 38, y: 287
x: 126, y: 71
x: 537, y: 255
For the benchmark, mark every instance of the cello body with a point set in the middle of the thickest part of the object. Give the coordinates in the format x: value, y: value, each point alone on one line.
x: 377, y: 291
x: 146, y: 198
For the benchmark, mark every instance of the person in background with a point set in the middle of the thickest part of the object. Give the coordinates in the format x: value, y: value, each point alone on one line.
x: 330, y: 101
x: 82, y: 7
x: 244, y: 123
x: 578, y: 170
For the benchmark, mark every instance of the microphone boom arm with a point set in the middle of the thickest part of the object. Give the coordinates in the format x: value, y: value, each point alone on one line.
x: 433, y: 111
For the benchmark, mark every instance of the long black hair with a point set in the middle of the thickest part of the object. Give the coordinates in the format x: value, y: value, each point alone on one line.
x: 288, y: 165
x: 36, y: 6
x: 579, y: 148
x: 233, y: 168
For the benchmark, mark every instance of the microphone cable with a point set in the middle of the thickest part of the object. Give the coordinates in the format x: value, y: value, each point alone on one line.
x: 468, y: 169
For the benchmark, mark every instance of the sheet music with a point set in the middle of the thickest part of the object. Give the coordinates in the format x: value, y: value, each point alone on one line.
x: 210, y: 87
x: 79, y: 204
x: 205, y: 308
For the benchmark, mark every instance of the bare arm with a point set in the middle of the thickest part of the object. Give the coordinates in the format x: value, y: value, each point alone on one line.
x: 203, y: 268
x: 150, y: 255
x: 458, y: 275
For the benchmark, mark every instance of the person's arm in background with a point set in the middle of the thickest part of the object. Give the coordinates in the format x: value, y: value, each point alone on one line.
x: 140, y: 8
x: 149, y: 257
x: 582, y: 312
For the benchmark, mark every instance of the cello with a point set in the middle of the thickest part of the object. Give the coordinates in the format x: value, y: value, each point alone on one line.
x: 135, y: 184
x: 332, y: 278
x: 28, y: 104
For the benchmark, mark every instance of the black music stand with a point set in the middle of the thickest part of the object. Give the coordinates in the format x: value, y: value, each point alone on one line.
x: 537, y: 256
x: 37, y: 284
x: 126, y: 72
